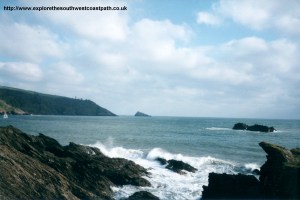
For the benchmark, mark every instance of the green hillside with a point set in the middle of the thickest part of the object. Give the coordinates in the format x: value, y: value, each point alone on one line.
x: 44, y: 104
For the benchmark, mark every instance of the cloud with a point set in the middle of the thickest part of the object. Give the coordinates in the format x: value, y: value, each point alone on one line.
x: 31, y: 43
x: 92, y: 25
x: 128, y: 64
x: 207, y: 18
x: 20, y: 71
x: 265, y: 14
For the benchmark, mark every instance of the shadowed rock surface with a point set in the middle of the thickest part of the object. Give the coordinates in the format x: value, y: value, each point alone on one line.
x: 256, y: 127
x: 279, y: 178
x: 143, y: 195
x: 226, y: 186
x: 38, y: 167
x: 280, y: 175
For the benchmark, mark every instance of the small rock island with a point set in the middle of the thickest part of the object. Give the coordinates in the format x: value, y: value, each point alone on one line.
x: 256, y: 127
x: 140, y: 114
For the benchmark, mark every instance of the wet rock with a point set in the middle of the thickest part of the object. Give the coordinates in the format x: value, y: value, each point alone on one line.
x: 143, y: 195
x: 279, y: 178
x: 256, y: 127
x: 280, y: 174
x: 38, y: 167
x: 178, y: 166
x: 162, y: 161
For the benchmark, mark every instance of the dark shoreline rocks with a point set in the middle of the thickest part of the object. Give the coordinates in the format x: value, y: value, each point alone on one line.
x: 38, y: 167
x: 255, y: 127
x: 279, y: 178
x: 227, y: 186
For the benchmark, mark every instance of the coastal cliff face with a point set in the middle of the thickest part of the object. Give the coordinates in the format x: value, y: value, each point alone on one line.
x: 279, y: 178
x: 38, y: 167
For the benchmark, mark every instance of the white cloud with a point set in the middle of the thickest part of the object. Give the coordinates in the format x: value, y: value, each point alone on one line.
x: 207, y: 18
x: 264, y: 14
x: 63, y: 73
x: 154, y: 65
x: 91, y: 25
x: 28, y: 42
x: 20, y: 71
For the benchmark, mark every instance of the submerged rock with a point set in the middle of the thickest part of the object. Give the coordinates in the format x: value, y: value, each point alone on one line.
x: 279, y: 178
x: 256, y: 127
x: 38, y: 167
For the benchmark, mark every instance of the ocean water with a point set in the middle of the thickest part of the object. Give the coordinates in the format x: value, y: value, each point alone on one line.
x: 208, y: 144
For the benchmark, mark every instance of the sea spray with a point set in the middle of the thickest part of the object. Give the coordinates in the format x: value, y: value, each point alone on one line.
x: 167, y: 184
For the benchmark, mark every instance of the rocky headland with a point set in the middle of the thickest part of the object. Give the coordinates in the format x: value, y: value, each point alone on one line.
x: 19, y: 102
x: 255, y: 127
x: 279, y: 178
x: 38, y: 167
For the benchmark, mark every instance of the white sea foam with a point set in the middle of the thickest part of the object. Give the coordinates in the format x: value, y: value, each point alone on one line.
x: 164, y: 183
x: 252, y: 166
x: 218, y: 129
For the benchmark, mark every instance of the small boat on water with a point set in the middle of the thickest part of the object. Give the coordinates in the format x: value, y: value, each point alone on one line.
x: 5, y: 116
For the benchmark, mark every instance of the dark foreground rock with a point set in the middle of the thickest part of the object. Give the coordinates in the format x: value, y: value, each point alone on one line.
x: 143, y: 195
x: 225, y: 186
x: 280, y: 175
x: 176, y: 166
x: 256, y: 127
x: 38, y: 167
x: 279, y: 178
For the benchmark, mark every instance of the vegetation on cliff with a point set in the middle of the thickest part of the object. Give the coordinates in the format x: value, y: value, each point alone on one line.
x: 45, y: 104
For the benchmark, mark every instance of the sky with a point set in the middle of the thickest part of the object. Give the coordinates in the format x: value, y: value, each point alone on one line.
x: 196, y: 58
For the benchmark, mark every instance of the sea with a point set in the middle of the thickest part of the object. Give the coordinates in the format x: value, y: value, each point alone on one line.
x: 208, y: 144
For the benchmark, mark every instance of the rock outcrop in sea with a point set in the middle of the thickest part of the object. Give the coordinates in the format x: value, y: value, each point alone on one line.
x: 140, y: 114
x: 279, y: 178
x: 256, y: 127
x: 176, y: 165
x: 38, y: 167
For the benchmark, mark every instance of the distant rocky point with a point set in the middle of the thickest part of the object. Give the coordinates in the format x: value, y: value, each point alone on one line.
x: 20, y: 102
x: 140, y: 114
x: 38, y: 167
x: 256, y: 127
x: 279, y: 178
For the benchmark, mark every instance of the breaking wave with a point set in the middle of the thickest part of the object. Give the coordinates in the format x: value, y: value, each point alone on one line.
x: 165, y: 183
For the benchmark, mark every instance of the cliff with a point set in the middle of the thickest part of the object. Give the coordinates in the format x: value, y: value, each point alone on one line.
x: 45, y: 104
x: 38, y: 167
x: 279, y: 178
